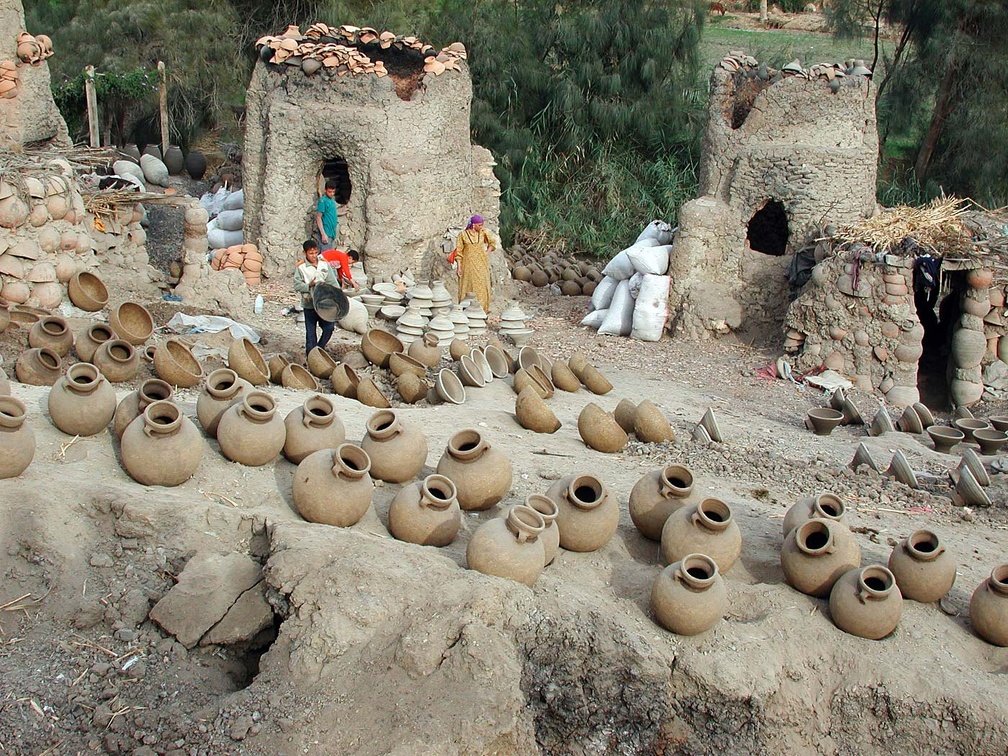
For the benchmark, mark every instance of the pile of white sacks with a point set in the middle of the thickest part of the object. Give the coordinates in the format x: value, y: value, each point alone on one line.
x: 227, y: 216
x: 632, y: 297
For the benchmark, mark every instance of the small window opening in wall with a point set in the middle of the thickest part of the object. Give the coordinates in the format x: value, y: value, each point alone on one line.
x: 336, y: 169
x: 768, y: 229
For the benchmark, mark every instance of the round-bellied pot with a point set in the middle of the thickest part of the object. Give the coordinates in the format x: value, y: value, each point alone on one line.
x: 247, y: 361
x: 87, y: 291
x: 378, y: 345
x: 816, y: 554
x: 320, y: 363
x: 251, y: 432
x: 277, y: 363
x: 657, y: 495
x: 333, y: 487
x: 549, y: 511
x: 222, y: 390
x: 509, y: 547
x: 989, y: 607
x: 426, y: 351
x: 52, y: 332
x: 175, y: 363
x: 825, y: 506
x: 600, y: 431
x: 134, y: 403
x: 866, y: 602
x: 688, y: 597
x: 481, y: 473
x: 411, y: 389
x: 924, y: 570
x: 398, y: 449
x: 161, y: 447
x: 426, y: 512
x: 173, y: 159
x: 296, y: 377
x: 82, y: 402
x: 706, y: 527
x: 132, y: 322
x: 117, y: 360
x: 311, y: 427
x: 195, y: 164
x: 38, y: 367
x: 93, y: 337
x: 588, y: 512
x: 17, y: 441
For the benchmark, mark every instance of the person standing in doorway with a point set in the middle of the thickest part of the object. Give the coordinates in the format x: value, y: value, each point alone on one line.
x: 326, y: 217
x: 472, y: 261
x: 310, y: 272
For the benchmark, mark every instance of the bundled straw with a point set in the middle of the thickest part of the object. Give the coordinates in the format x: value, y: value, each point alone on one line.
x: 937, y: 228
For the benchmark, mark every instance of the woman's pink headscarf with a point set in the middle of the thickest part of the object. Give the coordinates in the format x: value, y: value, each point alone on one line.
x: 474, y: 220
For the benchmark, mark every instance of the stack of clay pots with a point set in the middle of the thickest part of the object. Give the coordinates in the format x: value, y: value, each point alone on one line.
x: 410, y: 325
x: 243, y: 257
x: 513, y: 326
x: 461, y: 322
x: 477, y: 318
x: 442, y: 327
x: 422, y: 298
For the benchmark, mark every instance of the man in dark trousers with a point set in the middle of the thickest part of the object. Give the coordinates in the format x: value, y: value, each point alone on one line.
x: 310, y: 272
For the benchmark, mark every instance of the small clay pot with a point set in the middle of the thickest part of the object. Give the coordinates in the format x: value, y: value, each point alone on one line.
x: 532, y: 413
x: 481, y: 473
x: 333, y: 487
x: 93, y: 337
x: 549, y: 511
x: 223, y: 389
x: 924, y: 570
x: 457, y: 348
x: 398, y: 449
x: 311, y: 427
x: 944, y: 437
x: 426, y: 351
x: 657, y: 494
x: 39, y: 367
x: 866, y: 602
x: 600, y: 431
x: 825, y: 506
x: 117, y: 360
x: 17, y: 441
x: 815, y: 555
x: 132, y: 322
x: 162, y: 448
x: 588, y: 512
x: 689, y: 596
x: 52, y: 332
x: 706, y: 527
x: 822, y: 420
x: 87, y: 291
x: 989, y: 607
x: 175, y: 363
x: 296, y: 377
x: 509, y: 547
x: 82, y: 402
x: 378, y: 345
x: 134, y: 403
x: 426, y: 512
x: 251, y: 432
x: 650, y: 424
x: 247, y: 361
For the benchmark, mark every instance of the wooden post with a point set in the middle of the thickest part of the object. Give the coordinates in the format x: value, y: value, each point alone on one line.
x: 163, y: 107
x: 92, y: 106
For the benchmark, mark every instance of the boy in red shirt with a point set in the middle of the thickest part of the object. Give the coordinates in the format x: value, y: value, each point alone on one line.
x: 340, y: 260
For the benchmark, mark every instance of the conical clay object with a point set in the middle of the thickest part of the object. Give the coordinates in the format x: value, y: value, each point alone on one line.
x: 863, y: 456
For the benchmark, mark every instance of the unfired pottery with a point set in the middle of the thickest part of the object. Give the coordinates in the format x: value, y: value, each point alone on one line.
x: 481, y: 473
x: 549, y: 511
x: 816, y: 554
x: 397, y: 448
x: 117, y: 360
x: 135, y: 402
x: 825, y: 506
x: 924, y: 569
x: 53, y: 332
x: 426, y: 512
x: 311, y: 427
x: 509, y: 547
x: 17, y: 441
x: 600, y: 431
x: 247, y: 361
x: 223, y: 389
x: 866, y: 602
x: 333, y: 487
x: 689, y: 596
x: 989, y: 607
x: 161, y: 447
x: 657, y: 494
x: 706, y: 527
x: 82, y: 402
x: 38, y: 367
x: 93, y: 337
x: 251, y: 432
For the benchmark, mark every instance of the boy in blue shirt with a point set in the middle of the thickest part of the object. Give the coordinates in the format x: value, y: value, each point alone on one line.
x: 326, y: 217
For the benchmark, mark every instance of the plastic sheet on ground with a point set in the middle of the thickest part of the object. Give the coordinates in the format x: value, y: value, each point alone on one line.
x: 182, y: 323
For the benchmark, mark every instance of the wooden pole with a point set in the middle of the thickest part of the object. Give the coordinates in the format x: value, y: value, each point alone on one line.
x: 163, y: 107
x: 92, y: 106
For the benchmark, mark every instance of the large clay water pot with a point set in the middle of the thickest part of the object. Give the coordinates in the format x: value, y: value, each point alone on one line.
x: 175, y: 363
x: 311, y: 427
x: 17, y: 441
x: 866, y: 602
x: 989, y: 607
x: 247, y: 361
x: 39, y: 367
x: 174, y: 160
x: 509, y: 547
x: 481, y: 473
x: 688, y: 597
x: 117, y: 360
x: 161, y: 447
x: 657, y: 494
x: 426, y: 351
x: 706, y: 527
x: 426, y: 512
x: 588, y: 512
x: 195, y: 164
x: 333, y: 487
x: 251, y: 432
x: 923, y: 568
x: 134, y: 403
x: 816, y: 554
x: 87, y: 291
x: 398, y: 449
x: 132, y: 322
x: 222, y: 390
x: 825, y: 506
x: 82, y: 402
x: 93, y: 337
x: 53, y: 332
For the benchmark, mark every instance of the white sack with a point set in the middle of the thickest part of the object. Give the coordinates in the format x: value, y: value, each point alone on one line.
x: 594, y: 318
x: 214, y: 203
x: 218, y: 238
x: 603, y: 293
x: 235, y: 200
x: 154, y: 170
x: 356, y: 319
x: 651, y: 310
x: 658, y: 230
x: 619, y: 318
x: 619, y: 267
x: 230, y: 220
x: 650, y: 260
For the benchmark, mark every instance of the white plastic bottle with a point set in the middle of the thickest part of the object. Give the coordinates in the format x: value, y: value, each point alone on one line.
x: 258, y: 307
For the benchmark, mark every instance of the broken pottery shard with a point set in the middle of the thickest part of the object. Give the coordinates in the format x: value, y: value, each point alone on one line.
x: 250, y: 615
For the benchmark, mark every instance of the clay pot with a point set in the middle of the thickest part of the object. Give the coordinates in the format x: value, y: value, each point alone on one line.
x: 657, y: 495
x: 968, y: 347
x: 276, y: 364
x: 93, y: 337
x: 345, y: 381
x: 825, y: 506
x: 398, y: 450
x: 528, y: 358
x: 509, y: 547
x: 650, y: 425
x: 333, y: 487
x: 498, y: 361
x: 400, y: 363
x: 87, y: 291
x: 706, y: 527
x: 426, y: 351
x: 25, y: 316
x: 162, y: 447
x: 173, y: 159
x: 457, y: 348
x: 134, y: 403
x: 524, y: 379
x: 549, y: 511
x: 195, y: 164
x: 82, y: 402
x: 368, y: 393
x: 969, y: 425
x: 469, y: 373
x: 378, y: 345
x: 866, y: 602
x: 577, y: 362
x: 588, y: 512
x: 822, y: 420
x: 251, y: 432
x: 39, y: 367
x: 944, y: 438
x: 320, y: 363
x: 625, y: 415
x: 816, y: 554
x: 175, y: 363
x: 600, y: 431
x: 449, y: 388
x: 481, y: 474
x: 989, y: 607
x: 426, y: 512
x: 411, y: 389
x: 296, y: 377
x: 52, y: 332
x: 117, y: 360
x: 689, y: 597
x: 132, y: 322
x: 17, y: 441
x: 311, y: 427
x: 990, y: 440
x: 222, y: 390
x: 247, y: 361
x: 532, y: 413
x: 924, y: 570
x: 594, y: 381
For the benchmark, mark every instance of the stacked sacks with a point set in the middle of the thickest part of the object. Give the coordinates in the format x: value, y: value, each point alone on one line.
x: 243, y: 257
x: 228, y: 216
x: 632, y: 297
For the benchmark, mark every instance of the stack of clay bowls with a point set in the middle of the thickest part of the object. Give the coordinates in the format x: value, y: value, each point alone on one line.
x: 441, y: 300
x: 389, y: 292
x: 477, y: 318
x: 422, y: 298
x: 513, y: 324
x: 373, y: 302
x: 410, y: 326
x: 442, y: 327
x: 461, y: 322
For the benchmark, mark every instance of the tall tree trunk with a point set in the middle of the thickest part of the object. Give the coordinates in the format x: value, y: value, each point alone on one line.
x: 942, y: 108
x: 763, y: 17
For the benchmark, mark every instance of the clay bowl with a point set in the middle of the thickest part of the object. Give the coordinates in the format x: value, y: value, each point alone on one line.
x: 378, y: 345
x: 247, y: 361
x: 970, y: 424
x: 25, y: 315
x: 132, y: 322
x: 822, y: 420
x: 174, y: 363
x: 87, y: 291
x: 1000, y: 422
x: 944, y: 437
x: 498, y: 362
x: 470, y: 373
x: 400, y: 363
x: 296, y: 377
x: 449, y: 387
x: 990, y: 440
x: 345, y: 381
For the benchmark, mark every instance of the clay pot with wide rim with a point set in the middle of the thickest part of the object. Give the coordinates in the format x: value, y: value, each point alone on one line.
x: 500, y: 364
x: 333, y: 487
x: 825, y: 506
x: 426, y: 512
x: 378, y: 345
x: 53, y: 332
x: 320, y: 363
x: 449, y: 388
x: 989, y: 607
x: 296, y: 377
x: 509, y: 547
x: 93, y: 337
x: 600, y: 431
x: 815, y: 555
x: 657, y: 494
x: 311, y: 427
x: 481, y: 473
x: 866, y: 602
x: 17, y: 441
x: 944, y: 437
x: 82, y: 402
x: 175, y: 363
x: 87, y: 291
x: 222, y: 390
x: 251, y: 432
x: 247, y: 361
x: 132, y: 322
x: 161, y: 447
x: 689, y: 596
x: 38, y: 367
x: 397, y: 448
x: 924, y: 570
x: 549, y: 511
x: 134, y: 403
x: 117, y: 360
x: 706, y: 527
x: 588, y: 512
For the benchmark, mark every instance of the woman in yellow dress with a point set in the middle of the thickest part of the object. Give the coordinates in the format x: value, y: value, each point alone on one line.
x: 472, y: 251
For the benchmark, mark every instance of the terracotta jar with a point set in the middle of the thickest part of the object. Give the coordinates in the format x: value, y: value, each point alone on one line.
x: 82, y: 402
x: 135, y: 402
x: 426, y: 351
x: 689, y: 596
x: 825, y: 506
x: 657, y: 495
x: 223, y: 389
x: 39, y: 367
x: 549, y: 511
x: 866, y: 602
x: 311, y: 427
x: 426, y: 512
x: 398, y: 449
x: 92, y: 338
x: 924, y: 570
x: 251, y: 432
x: 333, y: 487
x: 175, y: 363
x: 117, y: 360
x: 706, y: 527
x: 247, y: 361
x: 51, y: 331
x: 588, y: 512
x: 509, y: 547
x: 17, y: 441
x: 481, y: 474
x: 989, y: 607
x: 816, y: 554
x: 163, y: 447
